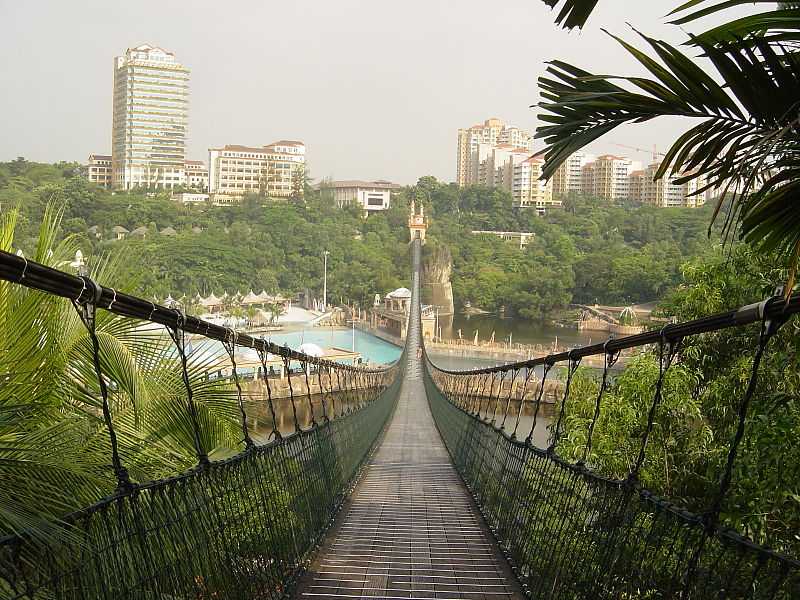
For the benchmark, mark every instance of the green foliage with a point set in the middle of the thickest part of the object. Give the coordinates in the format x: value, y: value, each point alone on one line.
x: 589, y: 252
x: 54, y: 447
x: 696, y: 418
x: 261, y: 244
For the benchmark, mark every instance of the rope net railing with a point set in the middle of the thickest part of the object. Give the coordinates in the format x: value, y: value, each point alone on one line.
x: 568, y: 528
x: 242, y: 527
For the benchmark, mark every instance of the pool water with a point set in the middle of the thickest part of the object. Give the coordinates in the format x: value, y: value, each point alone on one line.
x: 371, y: 348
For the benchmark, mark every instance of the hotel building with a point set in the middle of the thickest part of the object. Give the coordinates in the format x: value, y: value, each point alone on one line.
x: 150, y: 119
x: 273, y: 171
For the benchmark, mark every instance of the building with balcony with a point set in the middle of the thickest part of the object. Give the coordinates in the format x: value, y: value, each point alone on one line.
x: 528, y: 188
x: 665, y: 193
x: 196, y: 173
x: 275, y: 171
x: 475, y: 146
x: 98, y: 169
x: 607, y: 178
x: 568, y: 178
x: 372, y: 196
x: 150, y: 119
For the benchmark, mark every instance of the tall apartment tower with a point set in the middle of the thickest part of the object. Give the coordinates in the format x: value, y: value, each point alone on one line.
x: 150, y: 126
x: 568, y: 178
x: 665, y: 193
x: 475, y: 145
x: 607, y: 178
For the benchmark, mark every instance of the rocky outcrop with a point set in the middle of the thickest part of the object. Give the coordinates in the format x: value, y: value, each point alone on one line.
x: 437, y: 266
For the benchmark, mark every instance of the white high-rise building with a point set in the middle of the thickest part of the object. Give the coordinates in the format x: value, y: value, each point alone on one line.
x: 529, y: 189
x: 150, y: 119
x: 475, y: 146
x: 607, y: 178
x: 568, y: 178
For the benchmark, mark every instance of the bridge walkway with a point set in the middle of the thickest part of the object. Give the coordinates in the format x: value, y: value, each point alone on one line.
x: 410, y: 529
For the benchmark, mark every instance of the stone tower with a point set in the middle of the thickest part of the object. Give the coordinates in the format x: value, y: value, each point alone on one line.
x: 417, y: 226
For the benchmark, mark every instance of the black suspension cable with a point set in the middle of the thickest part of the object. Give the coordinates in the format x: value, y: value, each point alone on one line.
x: 178, y: 335
x: 609, y: 359
x: 305, y: 367
x: 546, y: 370
x: 87, y: 310
x: 262, y: 356
x: 230, y: 347
x: 287, y: 364
x: 322, y: 395
x: 667, y: 349
x: 528, y: 374
x: 572, y: 366
x: 514, y: 374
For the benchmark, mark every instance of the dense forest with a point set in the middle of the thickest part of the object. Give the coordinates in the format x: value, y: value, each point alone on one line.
x: 589, y: 252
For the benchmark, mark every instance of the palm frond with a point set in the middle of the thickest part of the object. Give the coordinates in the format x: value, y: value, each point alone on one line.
x: 573, y: 13
x: 749, y: 121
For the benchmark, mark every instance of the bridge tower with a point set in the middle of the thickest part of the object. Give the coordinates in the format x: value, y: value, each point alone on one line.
x: 417, y: 225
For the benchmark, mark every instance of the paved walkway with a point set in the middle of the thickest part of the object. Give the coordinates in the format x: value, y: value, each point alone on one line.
x: 410, y: 529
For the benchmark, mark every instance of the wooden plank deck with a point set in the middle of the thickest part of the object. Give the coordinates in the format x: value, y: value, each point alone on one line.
x: 410, y: 529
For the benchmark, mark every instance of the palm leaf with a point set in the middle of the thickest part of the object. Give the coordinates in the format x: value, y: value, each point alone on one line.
x: 573, y: 13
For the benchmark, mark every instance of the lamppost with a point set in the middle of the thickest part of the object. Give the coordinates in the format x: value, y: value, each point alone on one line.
x: 325, y: 283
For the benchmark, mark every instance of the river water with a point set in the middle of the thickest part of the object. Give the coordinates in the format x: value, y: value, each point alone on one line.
x: 519, y: 331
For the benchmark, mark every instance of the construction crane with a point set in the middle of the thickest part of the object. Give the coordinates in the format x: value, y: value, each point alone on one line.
x: 656, y: 154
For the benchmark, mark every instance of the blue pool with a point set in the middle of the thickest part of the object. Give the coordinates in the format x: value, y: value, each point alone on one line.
x: 373, y: 349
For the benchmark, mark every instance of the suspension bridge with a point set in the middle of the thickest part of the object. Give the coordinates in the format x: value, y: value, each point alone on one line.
x: 415, y: 482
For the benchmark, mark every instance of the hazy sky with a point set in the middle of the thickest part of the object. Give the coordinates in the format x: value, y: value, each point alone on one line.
x: 375, y: 89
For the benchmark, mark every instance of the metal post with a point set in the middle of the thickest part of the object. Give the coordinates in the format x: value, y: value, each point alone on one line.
x: 325, y: 283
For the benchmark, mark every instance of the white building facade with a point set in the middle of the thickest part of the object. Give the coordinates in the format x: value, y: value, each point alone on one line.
x: 196, y: 173
x: 665, y: 193
x: 276, y: 170
x: 568, y: 178
x: 150, y: 119
x: 475, y: 146
x: 98, y: 170
x: 529, y: 190
x: 372, y: 196
x: 607, y: 178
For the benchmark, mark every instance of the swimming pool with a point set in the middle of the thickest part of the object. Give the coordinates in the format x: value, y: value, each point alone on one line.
x: 371, y: 348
